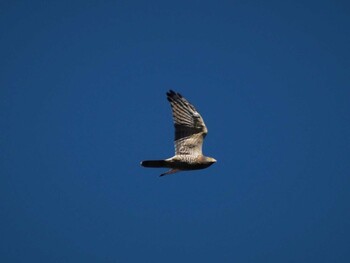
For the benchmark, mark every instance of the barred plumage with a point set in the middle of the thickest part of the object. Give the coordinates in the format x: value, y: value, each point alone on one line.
x: 190, y: 131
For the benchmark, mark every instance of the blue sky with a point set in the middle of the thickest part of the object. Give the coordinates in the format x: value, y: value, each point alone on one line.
x: 83, y: 101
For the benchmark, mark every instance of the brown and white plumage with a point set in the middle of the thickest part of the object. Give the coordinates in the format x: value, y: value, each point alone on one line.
x: 190, y: 128
x: 190, y: 131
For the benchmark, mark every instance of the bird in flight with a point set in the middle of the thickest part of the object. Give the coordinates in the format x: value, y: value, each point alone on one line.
x: 190, y: 131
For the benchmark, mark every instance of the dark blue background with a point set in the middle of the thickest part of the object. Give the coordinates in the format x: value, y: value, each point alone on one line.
x: 83, y: 102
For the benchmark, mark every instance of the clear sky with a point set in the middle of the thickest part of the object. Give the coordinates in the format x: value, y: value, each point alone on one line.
x: 82, y: 89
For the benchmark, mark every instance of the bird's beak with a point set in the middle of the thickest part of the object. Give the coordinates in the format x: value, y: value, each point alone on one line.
x: 213, y: 160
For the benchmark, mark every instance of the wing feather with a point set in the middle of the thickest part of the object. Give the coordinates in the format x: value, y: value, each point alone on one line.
x: 190, y: 128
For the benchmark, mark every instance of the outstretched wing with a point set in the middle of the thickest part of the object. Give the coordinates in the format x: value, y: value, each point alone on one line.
x: 190, y: 128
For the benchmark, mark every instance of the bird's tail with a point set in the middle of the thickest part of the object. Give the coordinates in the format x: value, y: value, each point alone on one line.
x: 154, y: 163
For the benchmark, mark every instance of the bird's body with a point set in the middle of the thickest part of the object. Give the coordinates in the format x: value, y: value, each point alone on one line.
x: 190, y: 131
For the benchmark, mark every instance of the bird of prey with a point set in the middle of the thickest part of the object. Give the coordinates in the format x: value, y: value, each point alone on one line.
x: 190, y: 131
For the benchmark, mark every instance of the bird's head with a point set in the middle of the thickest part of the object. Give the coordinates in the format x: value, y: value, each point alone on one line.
x: 212, y: 160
